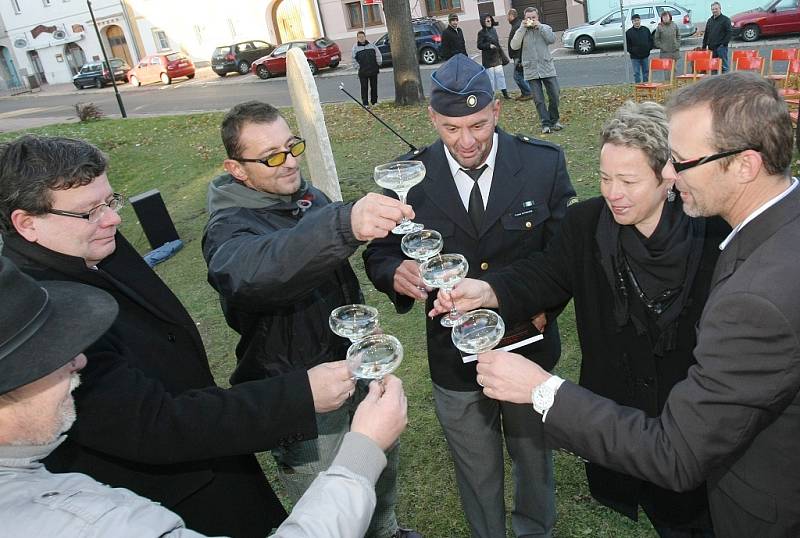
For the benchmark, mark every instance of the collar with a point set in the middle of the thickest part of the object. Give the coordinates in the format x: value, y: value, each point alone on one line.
x: 464, y: 183
x: 455, y: 168
x: 27, y: 455
x: 757, y: 212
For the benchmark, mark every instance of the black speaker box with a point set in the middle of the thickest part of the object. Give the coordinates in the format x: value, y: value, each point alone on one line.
x: 154, y: 218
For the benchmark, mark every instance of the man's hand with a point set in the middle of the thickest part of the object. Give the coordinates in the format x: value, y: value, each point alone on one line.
x: 331, y: 384
x: 381, y: 416
x: 509, y: 377
x: 375, y: 215
x: 467, y: 295
x: 408, y: 282
x: 539, y: 321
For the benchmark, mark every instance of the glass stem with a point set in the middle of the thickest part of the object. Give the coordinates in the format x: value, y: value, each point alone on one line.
x: 453, y: 310
x: 402, y: 197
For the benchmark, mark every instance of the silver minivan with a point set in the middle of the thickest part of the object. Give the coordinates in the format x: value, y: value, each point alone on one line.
x: 607, y: 31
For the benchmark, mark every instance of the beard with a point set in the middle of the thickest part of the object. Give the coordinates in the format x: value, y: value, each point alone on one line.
x: 38, y: 434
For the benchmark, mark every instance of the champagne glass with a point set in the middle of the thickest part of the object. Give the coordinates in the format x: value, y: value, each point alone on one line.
x: 444, y: 272
x: 399, y: 177
x: 422, y: 245
x: 354, y: 321
x: 374, y: 356
x: 479, y: 331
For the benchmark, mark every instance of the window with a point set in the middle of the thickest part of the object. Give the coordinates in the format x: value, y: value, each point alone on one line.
x: 162, y: 41
x: 614, y: 18
x: 232, y: 29
x: 261, y: 44
x: 301, y: 46
x: 155, y: 60
x: 355, y: 11
x: 281, y: 50
x: 15, y: 5
x: 47, y: 2
x: 672, y: 11
x: 646, y: 13
x: 198, y: 34
x: 441, y: 7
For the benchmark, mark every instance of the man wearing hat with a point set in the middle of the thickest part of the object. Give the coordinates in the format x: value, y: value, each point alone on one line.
x: 43, y: 329
x: 452, y: 39
x: 495, y: 198
x: 152, y: 418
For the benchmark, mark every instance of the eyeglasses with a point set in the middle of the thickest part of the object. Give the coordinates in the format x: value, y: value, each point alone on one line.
x: 96, y: 213
x: 680, y: 166
x: 277, y: 159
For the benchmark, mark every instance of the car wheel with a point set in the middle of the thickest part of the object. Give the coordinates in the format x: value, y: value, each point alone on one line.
x: 165, y: 79
x: 243, y: 67
x: 584, y: 44
x: 98, y: 83
x: 334, y: 65
x: 135, y: 81
x: 190, y: 77
x: 78, y: 86
x: 263, y: 72
x: 314, y: 68
x: 751, y: 32
x: 428, y: 56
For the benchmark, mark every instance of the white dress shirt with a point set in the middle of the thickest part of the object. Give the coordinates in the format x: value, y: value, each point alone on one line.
x: 464, y: 183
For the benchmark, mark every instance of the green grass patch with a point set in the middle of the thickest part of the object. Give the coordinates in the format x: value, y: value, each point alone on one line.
x: 179, y: 155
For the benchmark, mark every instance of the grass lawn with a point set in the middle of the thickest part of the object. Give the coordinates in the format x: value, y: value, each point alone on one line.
x: 180, y: 154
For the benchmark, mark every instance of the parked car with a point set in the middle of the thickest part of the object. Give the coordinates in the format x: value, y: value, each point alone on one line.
x: 776, y: 17
x: 164, y: 66
x: 321, y: 53
x: 237, y: 58
x: 428, y: 34
x: 607, y: 30
x: 97, y: 75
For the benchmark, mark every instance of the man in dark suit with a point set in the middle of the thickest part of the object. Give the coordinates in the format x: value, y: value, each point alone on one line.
x: 452, y: 39
x: 734, y: 421
x: 494, y: 198
x: 152, y: 418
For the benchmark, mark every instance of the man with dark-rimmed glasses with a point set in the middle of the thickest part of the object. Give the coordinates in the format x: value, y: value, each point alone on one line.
x: 277, y: 251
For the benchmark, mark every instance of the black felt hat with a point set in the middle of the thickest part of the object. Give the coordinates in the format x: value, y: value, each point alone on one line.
x: 44, y: 325
x: 460, y: 87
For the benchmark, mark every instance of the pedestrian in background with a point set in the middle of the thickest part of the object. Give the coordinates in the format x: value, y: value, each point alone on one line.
x: 717, y: 35
x: 667, y: 38
x: 452, y: 39
x: 640, y: 42
x: 368, y: 59
x: 516, y: 56
x: 532, y: 39
x: 493, y: 58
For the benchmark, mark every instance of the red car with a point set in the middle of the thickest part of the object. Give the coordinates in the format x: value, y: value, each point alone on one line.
x: 320, y: 52
x: 777, y: 17
x: 163, y: 66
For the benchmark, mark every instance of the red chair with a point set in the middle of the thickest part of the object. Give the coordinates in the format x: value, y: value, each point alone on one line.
x: 790, y: 82
x: 742, y: 54
x: 706, y: 66
x: 753, y: 63
x: 656, y: 90
x: 691, y: 57
x: 779, y: 55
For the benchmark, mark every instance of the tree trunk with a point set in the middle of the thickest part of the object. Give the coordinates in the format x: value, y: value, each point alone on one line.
x: 407, y: 83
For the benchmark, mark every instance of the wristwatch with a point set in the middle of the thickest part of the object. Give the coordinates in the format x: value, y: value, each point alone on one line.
x: 544, y: 394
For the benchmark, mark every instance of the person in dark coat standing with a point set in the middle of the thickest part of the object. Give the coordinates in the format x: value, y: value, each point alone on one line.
x: 493, y: 58
x: 152, y: 419
x: 640, y: 43
x: 368, y: 59
x: 526, y: 94
x: 636, y: 332
x: 717, y: 35
x: 452, y: 39
x: 494, y: 198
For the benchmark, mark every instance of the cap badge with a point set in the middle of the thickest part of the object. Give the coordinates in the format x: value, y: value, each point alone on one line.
x: 472, y: 101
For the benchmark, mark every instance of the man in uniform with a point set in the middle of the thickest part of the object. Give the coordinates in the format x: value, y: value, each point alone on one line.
x: 494, y: 198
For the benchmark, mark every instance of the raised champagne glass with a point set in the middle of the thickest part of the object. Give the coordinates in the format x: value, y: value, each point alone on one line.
x: 422, y: 245
x: 399, y: 177
x: 479, y: 331
x: 444, y: 272
x: 354, y: 321
x: 374, y: 356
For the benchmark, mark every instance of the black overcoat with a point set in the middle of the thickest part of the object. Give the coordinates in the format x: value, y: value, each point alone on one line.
x: 150, y: 417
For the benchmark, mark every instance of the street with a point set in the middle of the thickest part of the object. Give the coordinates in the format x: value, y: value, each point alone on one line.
x: 207, y: 92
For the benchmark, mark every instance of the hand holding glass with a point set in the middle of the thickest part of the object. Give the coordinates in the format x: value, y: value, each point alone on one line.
x: 374, y: 356
x: 479, y: 331
x: 399, y: 177
x: 354, y: 321
x: 445, y: 272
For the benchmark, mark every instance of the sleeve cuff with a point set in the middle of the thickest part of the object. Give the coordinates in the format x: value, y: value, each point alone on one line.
x: 359, y: 454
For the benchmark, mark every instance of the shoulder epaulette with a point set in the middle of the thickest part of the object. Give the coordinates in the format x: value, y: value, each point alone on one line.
x: 537, y: 142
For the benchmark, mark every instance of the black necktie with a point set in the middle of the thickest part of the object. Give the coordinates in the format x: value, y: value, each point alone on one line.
x: 475, y: 208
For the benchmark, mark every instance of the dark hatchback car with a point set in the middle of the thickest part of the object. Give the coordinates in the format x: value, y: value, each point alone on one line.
x: 238, y: 57
x: 428, y: 34
x: 96, y: 74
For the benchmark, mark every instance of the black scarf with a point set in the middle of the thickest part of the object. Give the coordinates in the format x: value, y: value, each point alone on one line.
x: 652, y: 277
